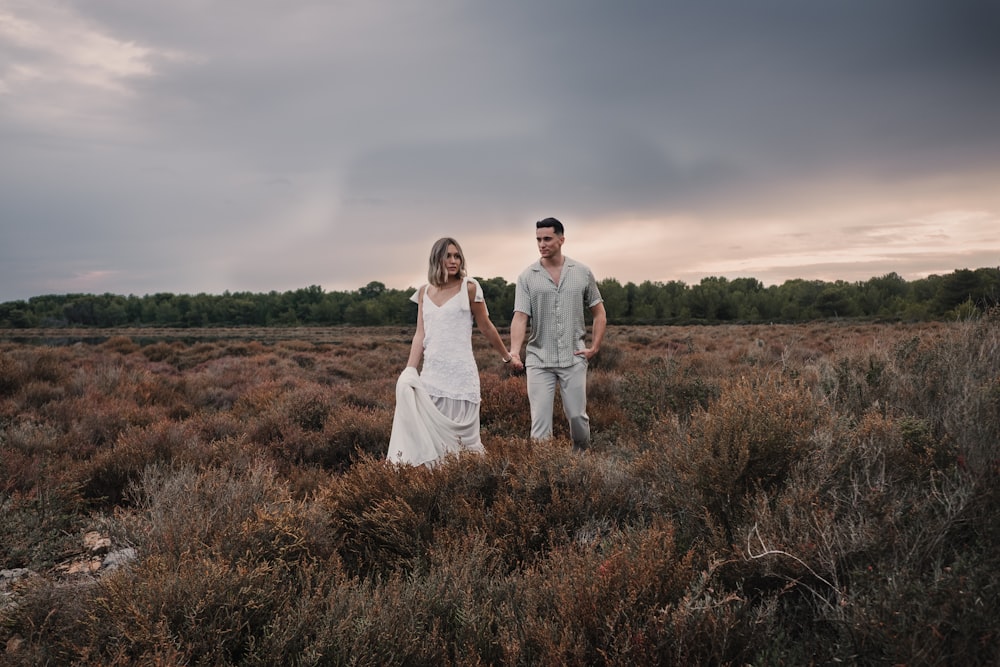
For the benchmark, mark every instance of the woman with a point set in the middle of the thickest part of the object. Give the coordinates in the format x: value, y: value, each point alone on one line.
x: 437, y: 410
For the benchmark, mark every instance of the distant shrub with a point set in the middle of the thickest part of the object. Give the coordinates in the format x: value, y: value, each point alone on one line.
x: 163, y: 352
x: 48, y: 366
x: 309, y: 407
x: 611, y: 357
x: 34, y: 438
x: 121, y: 345
x: 12, y: 374
x: 661, y: 387
x: 95, y: 420
x: 36, y: 394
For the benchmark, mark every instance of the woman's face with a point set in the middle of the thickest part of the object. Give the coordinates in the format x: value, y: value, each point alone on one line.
x: 452, y: 262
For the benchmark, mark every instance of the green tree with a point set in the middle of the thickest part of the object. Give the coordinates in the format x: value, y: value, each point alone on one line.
x: 744, y: 296
x: 836, y: 300
x: 883, y: 296
x: 956, y: 289
x: 711, y: 300
x: 17, y: 314
x: 365, y: 313
x: 615, y: 299
x: 499, y: 295
x: 798, y: 299
x: 372, y: 290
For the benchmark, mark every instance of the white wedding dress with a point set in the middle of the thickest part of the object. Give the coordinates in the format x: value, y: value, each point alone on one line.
x: 437, y: 410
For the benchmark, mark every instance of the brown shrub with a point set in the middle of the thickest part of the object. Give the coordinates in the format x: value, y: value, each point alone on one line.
x: 40, y: 504
x: 212, y: 426
x: 205, y: 609
x: 49, y: 366
x: 504, y: 410
x: 95, y: 420
x: 595, y: 606
x: 240, y: 511
x: 378, y: 514
x: 663, y: 387
x: 35, y: 394
x: 34, y: 438
x: 121, y: 344
x: 12, y: 373
x: 49, y: 612
x: 349, y: 431
x: 609, y: 420
x: 164, y: 352
x: 824, y: 496
x: 748, y: 439
x: 112, y: 470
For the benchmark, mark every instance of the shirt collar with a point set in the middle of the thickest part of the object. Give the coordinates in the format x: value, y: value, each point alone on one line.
x: 537, y: 266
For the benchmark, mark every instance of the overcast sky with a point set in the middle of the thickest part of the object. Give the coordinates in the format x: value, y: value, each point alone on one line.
x: 252, y: 145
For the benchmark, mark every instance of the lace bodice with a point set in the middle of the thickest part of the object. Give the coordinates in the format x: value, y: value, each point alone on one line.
x: 449, y: 368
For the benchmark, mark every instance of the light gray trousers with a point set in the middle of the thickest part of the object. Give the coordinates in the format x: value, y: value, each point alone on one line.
x: 572, y: 383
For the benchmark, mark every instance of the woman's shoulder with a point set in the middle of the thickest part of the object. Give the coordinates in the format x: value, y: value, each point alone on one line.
x: 418, y: 294
x: 474, y: 289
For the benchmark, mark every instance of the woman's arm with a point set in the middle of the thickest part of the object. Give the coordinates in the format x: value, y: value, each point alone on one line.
x: 417, y: 346
x: 482, y: 316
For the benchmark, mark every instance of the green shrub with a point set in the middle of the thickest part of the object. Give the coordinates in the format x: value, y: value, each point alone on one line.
x: 748, y: 439
x: 662, y: 387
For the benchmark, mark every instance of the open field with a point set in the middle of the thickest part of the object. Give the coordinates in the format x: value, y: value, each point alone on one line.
x: 66, y: 335
x: 756, y: 494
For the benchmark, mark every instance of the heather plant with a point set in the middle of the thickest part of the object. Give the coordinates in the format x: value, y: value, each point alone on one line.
x: 38, y: 526
x: 351, y: 431
x: 812, y: 494
x: 504, y: 410
x: 663, y: 386
x: 12, y: 373
x: 121, y: 344
x: 748, y: 439
x: 111, y: 470
x: 588, y: 606
x: 610, y: 424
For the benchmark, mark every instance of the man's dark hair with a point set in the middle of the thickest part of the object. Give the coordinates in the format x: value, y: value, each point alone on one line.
x: 553, y: 223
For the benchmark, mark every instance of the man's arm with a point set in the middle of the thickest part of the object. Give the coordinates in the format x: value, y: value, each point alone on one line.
x: 599, y: 327
x: 518, y: 330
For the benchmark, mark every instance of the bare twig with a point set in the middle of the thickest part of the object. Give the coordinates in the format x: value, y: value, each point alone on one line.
x: 777, y: 552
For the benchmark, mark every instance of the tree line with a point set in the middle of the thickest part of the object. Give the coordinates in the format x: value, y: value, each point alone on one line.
x: 961, y: 293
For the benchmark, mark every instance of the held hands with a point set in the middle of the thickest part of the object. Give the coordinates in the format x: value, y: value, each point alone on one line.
x: 515, y: 361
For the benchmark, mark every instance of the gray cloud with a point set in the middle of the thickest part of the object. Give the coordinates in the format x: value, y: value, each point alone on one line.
x: 270, y: 146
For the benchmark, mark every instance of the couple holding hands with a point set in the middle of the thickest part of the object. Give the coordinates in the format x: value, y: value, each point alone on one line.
x: 437, y: 408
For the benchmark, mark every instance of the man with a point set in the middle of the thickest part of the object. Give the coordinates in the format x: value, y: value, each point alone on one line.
x: 552, y: 293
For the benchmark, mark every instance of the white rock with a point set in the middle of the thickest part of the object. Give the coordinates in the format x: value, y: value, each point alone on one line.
x: 118, y: 558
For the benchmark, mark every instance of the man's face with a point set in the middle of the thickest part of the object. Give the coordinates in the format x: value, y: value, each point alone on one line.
x: 549, y: 243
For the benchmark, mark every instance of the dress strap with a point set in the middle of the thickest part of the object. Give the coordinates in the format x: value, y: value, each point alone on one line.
x: 466, y: 302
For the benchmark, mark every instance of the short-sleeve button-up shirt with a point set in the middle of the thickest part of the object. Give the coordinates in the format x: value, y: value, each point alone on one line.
x: 556, y: 312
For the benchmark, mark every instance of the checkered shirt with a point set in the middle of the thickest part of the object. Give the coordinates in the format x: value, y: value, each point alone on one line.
x: 556, y: 312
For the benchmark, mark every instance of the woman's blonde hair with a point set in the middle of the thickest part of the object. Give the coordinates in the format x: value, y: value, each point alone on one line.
x: 437, y: 275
